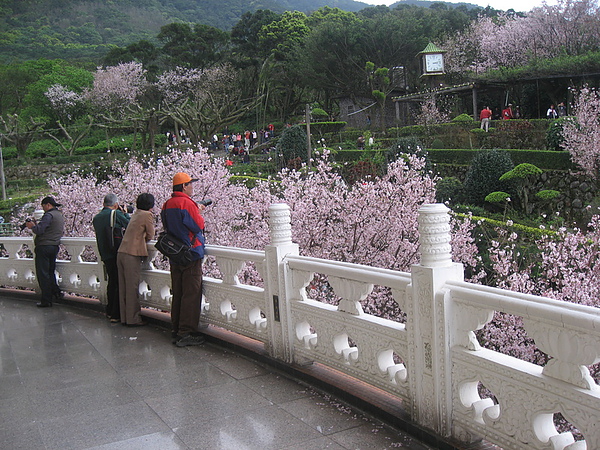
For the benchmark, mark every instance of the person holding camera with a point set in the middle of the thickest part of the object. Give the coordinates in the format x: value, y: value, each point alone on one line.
x: 47, y: 233
x: 111, y: 216
x: 130, y: 255
x: 181, y: 217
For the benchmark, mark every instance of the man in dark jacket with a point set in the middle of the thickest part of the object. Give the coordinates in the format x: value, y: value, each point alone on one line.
x: 181, y: 218
x: 108, y: 253
x: 47, y: 233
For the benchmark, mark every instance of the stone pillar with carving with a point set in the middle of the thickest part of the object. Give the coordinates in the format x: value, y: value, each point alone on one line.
x: 277, y: 301
x: 427, y: 321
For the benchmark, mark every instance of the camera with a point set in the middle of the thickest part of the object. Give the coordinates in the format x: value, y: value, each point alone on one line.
x: 127, y: 208
x: 206, y: 202
x: 24, y: 224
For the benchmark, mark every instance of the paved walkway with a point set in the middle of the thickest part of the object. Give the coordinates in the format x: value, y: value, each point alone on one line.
x: 71, y: 380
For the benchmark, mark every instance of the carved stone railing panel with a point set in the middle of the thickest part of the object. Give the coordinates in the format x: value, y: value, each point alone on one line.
x: 357, y: 345
x: 467, y: 320
x: 527, y: 400
x: 571, y: 351
x: 351, y: 293
x: 230, y: 268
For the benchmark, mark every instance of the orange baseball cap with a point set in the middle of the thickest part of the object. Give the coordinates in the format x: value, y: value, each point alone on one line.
x: 182, y: 178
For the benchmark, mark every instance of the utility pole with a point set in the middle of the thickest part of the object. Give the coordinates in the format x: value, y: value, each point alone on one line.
x: 308, y: 134
x: 2, y: 177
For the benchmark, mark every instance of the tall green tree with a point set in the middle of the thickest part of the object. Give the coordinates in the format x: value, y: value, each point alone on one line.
x: 197, y: 46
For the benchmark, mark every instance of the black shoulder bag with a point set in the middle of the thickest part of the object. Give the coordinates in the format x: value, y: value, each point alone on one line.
x: 177, y: 251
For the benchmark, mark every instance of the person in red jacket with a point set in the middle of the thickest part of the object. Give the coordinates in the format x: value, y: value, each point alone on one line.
x: 181, y: 217
x: 485, y: 116
x: 507, y: 112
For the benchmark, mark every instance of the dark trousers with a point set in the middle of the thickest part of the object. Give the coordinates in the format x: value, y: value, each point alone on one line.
x: 186, y: 284
x: 45, y: 266
x: 111, y: 274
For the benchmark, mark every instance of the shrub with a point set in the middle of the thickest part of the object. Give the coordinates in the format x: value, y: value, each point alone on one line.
x: 319, y: 114
x: 463, y: 118
x: 484, y: 175
x: 408, y: 145
x: 326, y: 127
x: 10, y: 153
x: 42, y: 149
x: 547, y: 195
x: 522, y: 171
x: 293, y: 144
x: 478, y: 131
x: 497, y: 197
x: 448, y: 189
x: 437, y: 143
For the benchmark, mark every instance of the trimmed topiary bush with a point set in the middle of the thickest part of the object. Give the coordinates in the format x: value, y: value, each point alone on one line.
x: 437, y: 143
x: 547, y: 195
x: 463, y: 118
x: 497, y: 197
x: 293, y: 145
x: 319, y: 114
x: 484, y: 175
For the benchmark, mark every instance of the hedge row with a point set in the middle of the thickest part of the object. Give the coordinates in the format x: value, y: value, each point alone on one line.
x: 64, y: 159
x: 527, y: 232
x: 526, y: 134
x: 544, y: 159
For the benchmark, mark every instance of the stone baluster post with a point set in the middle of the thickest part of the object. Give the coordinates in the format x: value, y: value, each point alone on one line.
x: 428, y: 322
x: 277, y: 283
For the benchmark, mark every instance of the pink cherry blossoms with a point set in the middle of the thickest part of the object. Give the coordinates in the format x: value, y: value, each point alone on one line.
x: 509, y: 40
x: 582, y: 135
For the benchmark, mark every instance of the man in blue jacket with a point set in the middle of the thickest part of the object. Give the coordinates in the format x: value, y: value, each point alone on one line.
x: 181, y: 217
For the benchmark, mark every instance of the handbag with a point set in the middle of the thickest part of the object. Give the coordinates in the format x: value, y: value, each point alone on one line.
x: 115, y: 234
x: 177, y: 251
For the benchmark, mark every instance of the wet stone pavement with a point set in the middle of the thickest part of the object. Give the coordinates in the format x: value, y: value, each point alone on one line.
x: 71, y: 380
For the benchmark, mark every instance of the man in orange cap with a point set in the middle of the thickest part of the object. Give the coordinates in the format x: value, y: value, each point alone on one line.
x: 181, y: 217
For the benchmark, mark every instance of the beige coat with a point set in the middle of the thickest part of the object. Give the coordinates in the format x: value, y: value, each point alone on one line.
x: 138, y: 232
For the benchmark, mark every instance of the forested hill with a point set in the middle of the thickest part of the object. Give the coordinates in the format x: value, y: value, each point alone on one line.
x: 86, y: 29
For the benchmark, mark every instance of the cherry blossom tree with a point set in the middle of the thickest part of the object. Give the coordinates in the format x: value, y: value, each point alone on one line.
x: 510, y: 40
x: 582, y: 135
x: 565, y: 266
x: 116, y: 95
x: 203, y: 101
x: 117, y: 87
x: 430, y: 113
x: 371, y: 222
x: 64, y: 101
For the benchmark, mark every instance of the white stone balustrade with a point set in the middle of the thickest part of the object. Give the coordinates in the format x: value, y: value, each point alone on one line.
x: 432, y: 360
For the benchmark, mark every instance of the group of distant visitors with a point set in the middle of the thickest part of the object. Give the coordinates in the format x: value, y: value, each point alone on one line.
x: 485, y: 116
x: 122, y: 235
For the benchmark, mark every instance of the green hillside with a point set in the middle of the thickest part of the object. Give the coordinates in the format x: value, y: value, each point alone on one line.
x: 85, y: 30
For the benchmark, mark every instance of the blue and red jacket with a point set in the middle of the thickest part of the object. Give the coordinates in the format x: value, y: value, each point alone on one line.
x: 181, y: 217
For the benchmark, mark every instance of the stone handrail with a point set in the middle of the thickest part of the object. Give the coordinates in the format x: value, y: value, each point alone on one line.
x: 431, y: 360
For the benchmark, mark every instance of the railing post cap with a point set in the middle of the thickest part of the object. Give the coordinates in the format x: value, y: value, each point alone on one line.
x: 434, y: 208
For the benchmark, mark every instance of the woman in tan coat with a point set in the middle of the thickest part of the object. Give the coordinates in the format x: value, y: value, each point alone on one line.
x: 129, y: 259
